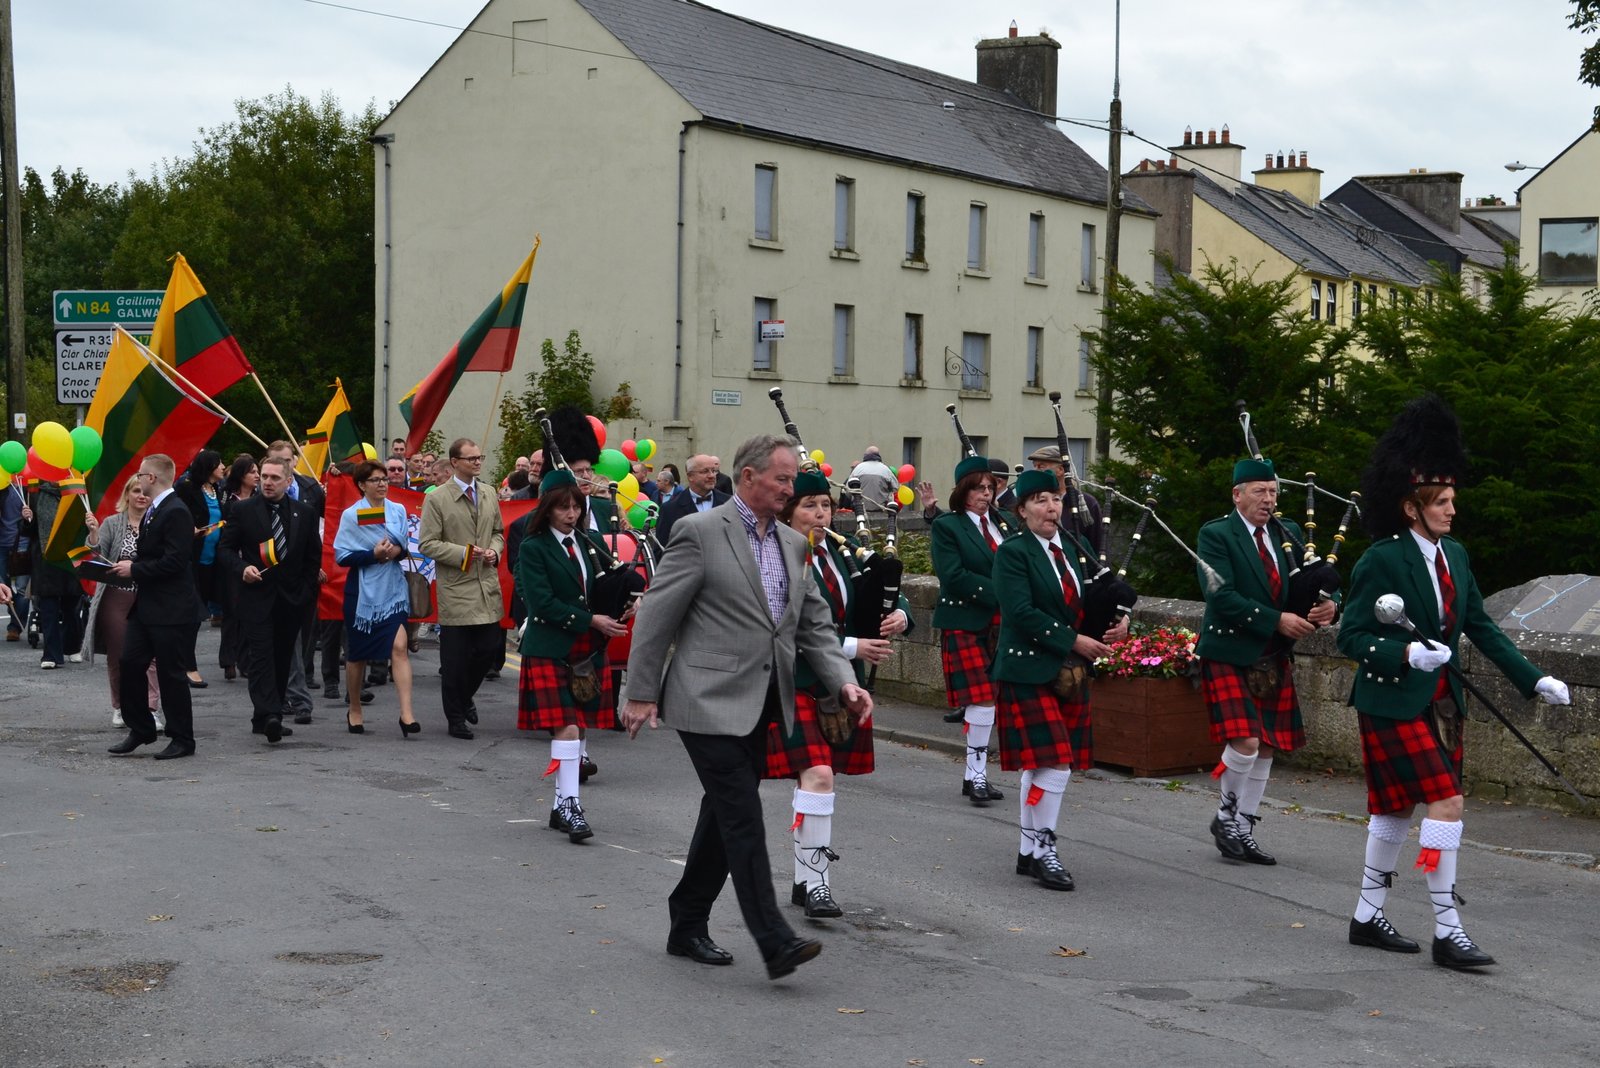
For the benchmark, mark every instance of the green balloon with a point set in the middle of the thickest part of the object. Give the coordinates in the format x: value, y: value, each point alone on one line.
x: 86, y: 447
x: 13, y: 456
x: 612, y: 464
x: 637, y: 515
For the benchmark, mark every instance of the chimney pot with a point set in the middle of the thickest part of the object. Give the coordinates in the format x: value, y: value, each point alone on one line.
x: 1144, y: 164
x: 1188, y: 136
x: 1302, y: 159
x: 1172, y: 164
x: 1225, y: 134
x: 1280, y: 160
x: 1211, y: 137
x: 1013, y: 32
x: 1269, y: 162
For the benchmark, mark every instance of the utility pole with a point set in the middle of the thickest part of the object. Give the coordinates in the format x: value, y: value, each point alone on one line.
x: 16, y: 376
x: 1102, y: 434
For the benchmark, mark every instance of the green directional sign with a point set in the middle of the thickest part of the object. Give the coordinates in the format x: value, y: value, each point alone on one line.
x: 132, y: 308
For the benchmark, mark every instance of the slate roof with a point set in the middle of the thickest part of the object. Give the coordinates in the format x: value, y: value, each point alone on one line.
x: 1328, y: 240
x: 763, y: 79
x: 1474, y: 243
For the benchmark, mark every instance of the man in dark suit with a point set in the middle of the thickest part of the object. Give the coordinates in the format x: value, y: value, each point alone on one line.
x: 699, y: 495
x: 272, y: 544
x: 161, y: 621
x: 306, y: 490
x: 736, y: 600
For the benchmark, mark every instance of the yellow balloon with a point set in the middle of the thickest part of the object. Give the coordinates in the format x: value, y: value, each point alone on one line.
x: 628, y: 491
x: 5, y: 479
x: 819, y: 456
x: 369, y: 452
x: 53, y: 444
x: 904, y: 496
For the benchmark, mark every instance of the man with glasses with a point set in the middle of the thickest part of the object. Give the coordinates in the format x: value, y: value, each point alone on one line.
x: 395, y: 468
x: 461, y: 532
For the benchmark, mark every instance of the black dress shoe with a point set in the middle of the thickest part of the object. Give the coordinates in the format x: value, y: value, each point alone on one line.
x: 1051, y: 875
x: 472, y: 712
x: 302, y: 718
x: 1024, y: 863
x: 955, y: 715
x: 1254, y: 854
x: 791, y: 955
x: 820, y: 904
x: 283, y: 732
x: 586, y: 768
x: 273, y: 728
x: 1227, y: 839
x: 977, y: 791
x: 460, y: 730
x: 1379, y: 933
x: 133, y: 741
x: 699, y: 949
x: 174, y: 751
x: 1459, y: 952
x: 197, y: 684
x: 568, y: 817
x: 330, y: 691
x: 230, y: 673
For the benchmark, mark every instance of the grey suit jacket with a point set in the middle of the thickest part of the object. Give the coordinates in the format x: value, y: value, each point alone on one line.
x: 707, y: 598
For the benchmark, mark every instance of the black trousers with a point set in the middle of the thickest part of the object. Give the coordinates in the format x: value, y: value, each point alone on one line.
x: 466, y: 655
x: 330, y: 640
x: 165, y: 643
x: 267, y: 644
x: 730, y: 837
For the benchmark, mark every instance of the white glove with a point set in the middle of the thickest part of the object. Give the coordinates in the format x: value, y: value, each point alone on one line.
x: 1427, y: 658
x: 1552, y: 691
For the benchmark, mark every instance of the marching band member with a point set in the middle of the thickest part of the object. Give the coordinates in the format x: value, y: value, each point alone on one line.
x: 1245, y: 668
x: 1409, y: 707
x: 1041, y: 671
x: 817, y: 748
x: 565, y: 685
x: 963, y: 543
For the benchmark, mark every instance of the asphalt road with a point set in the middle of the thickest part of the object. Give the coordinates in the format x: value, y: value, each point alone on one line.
x: 349, y: 900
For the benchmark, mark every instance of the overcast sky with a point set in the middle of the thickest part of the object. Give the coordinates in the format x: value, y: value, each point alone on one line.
x: 1363, y: 86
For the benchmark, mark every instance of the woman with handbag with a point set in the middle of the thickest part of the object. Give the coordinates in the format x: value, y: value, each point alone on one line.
x: 117, y: 539
x: 825, y: 740
x: 963, y: 543
x: 565, y: 685
x: 1041, y: 669
x: 371, y: 542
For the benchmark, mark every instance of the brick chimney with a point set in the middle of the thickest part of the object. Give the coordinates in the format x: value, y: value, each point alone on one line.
x: 1294, y: 175
x: 1025, y: 67
x: 1215, y: 154
x: 1437, y: 194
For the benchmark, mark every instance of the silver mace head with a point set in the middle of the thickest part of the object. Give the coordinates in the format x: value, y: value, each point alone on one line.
x: 1391, y: 608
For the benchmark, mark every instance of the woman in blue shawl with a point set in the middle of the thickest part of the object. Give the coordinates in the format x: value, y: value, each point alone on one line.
x: 371, y: 542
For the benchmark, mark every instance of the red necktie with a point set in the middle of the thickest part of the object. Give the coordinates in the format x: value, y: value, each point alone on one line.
x: 828, y: 579
x: 572, y: 551
x: 1271, y: 565
x: 988, y: 535
x: 1447, y: 594
x: 1069, y: 589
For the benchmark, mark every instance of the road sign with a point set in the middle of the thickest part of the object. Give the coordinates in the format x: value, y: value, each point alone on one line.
x: 135, y: 309
x: 727, y: 396
x: 80, y: 357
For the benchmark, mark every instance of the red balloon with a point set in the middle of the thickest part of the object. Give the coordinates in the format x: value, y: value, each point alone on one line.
x: 630, y: 449
x: 907, y: 473
x: 599, y: 430
x: 827, y: 470
x: 41, y: 470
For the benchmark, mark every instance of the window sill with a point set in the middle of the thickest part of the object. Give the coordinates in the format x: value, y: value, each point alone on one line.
x: 974, y: 394
x: 1034, y: 389
x: 912, y: 383
x: 1088, y: 289
x: 1030, y: 280
x: 844, y: 254
x: 842, y: 380
x: 768, y: 376
x: 976, y: 272
x: 914, y: 265
x: 1569, y: 283
x: 1086, y: 394
x: 761, y: 242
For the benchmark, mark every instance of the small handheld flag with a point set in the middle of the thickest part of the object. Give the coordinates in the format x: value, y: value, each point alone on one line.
x: 370, y: 517
x: 269, y: 553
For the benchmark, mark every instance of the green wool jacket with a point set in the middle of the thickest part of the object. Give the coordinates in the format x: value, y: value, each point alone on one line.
x: 1386, y: 685
x: 604, y: 510
x: 558, y: 611
x: 963, y: 562
x: 1036, y: 631
x: 1242, y: 615
x: 804, y: 677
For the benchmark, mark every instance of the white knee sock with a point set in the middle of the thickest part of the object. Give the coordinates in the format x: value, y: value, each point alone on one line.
x: 1255, y: 785
x: 813, y: 834
x: 1048, y: 786
x: 1441, y: 843
x: 1025, y: 820
x: 564, y: 753
x: 1385, y: 836
x: 1235, y: 773
x: 980, y: 724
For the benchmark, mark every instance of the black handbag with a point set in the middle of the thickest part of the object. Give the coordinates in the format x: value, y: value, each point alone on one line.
x: 419, y: 592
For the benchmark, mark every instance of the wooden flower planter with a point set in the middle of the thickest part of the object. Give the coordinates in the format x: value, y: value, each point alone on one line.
x: 1152, y: 726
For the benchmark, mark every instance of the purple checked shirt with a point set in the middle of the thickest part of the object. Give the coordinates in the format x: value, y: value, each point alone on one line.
x: 768, y: 552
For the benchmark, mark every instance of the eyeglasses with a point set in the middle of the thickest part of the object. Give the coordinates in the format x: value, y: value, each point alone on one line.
x: 379, y: 480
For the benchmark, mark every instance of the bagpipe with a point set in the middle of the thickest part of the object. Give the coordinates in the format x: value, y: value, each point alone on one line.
x: 1107, y: 595
x: 620, y: 583
x: 968, y: 450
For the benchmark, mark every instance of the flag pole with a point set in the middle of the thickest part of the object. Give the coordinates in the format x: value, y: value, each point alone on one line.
x: 493, y: 404
x: 288, y: 435
x: 165, y: 368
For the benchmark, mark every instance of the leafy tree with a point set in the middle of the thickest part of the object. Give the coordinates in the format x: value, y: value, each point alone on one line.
x: 69, y: 229
x: 565, y: 379
x: 1177, y: 361
x: 1585, y: 18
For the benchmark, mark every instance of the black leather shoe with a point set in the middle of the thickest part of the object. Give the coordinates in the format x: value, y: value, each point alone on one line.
x: 586, y: 768
x: 794, y: 953
x: 568, y: 818
x: 1024, y: 863
x: 1051, y: 875
x: 283, y: 731
x: 230, y: 673
x: 1459, y: 952
x: 330, y: 692
x: 797, y: 895
x: 699, y: 949
x: 367, y: 697
x: 976, y: 791
x: 273, y: 729
x: 1254, y: 854
x: 820, y: 904
x: 955, y: 715
x: 1379, y: 933
x: 302, y: 718
x: 133, y: 741
x: 472, y: 712
x: 174, y: 751
x: 460, y: 730
x: 1227, y: 839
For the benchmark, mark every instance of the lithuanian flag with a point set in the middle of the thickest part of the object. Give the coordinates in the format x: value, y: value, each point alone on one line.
x: 490, y: 344
x: 334, y: 439
x: 68, y: 532
x: 191, y: 337
x: 138, y: 411
x: 371, y: 517
x: 269, y: 554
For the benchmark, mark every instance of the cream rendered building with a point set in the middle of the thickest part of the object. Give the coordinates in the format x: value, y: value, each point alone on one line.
x: 1560, y: 209
x: 923, y: 240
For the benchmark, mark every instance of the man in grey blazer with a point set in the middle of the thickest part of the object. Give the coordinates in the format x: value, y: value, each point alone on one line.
x: 734, y: 598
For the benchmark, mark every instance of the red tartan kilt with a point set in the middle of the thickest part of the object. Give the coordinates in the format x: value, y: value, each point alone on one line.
x: 1235, y: 714
x: 807, y: 748
x: 966, y: 669
x: 544, y: 701
x: 1041, y: 730
x: 1406, y: 764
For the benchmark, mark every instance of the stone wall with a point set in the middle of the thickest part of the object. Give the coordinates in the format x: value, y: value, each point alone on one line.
x: 1496, y: 765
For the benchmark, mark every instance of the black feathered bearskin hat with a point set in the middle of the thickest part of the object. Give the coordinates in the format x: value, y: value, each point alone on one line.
x: 574, y: 437
x: 1422, y: 447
